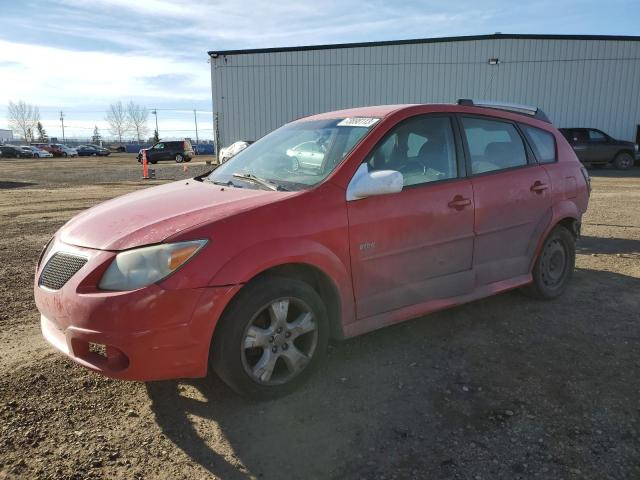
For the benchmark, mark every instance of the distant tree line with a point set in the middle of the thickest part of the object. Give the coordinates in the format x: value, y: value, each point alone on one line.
x: 24, y: 119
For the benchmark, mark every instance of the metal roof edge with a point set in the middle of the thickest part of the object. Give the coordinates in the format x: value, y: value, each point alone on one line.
x: 469, y: 38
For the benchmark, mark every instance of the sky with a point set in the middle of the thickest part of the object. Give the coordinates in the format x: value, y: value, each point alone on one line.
x: 79, y: 56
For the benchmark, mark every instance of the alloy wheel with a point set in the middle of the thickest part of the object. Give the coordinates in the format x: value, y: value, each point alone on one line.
x: 279, y: 341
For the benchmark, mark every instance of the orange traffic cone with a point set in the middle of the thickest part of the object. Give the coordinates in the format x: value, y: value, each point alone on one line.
x: 145, y: 168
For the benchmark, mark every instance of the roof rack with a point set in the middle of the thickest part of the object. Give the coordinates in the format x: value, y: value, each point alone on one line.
x: 534, y: 112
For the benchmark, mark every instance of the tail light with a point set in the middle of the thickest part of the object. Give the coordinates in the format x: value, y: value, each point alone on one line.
x: 587, y: 178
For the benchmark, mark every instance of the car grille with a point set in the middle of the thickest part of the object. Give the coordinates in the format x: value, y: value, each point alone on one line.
x: 59, y: 269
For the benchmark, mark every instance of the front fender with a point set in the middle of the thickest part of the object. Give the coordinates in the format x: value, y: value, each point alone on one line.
x: 265, y: 255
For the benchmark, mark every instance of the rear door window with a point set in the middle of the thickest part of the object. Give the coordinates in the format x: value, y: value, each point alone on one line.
x: 542, y: 142
x: 493, y: 145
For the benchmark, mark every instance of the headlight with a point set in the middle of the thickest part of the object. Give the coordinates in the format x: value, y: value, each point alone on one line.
x: 143, y: 266
x: 45, y: 250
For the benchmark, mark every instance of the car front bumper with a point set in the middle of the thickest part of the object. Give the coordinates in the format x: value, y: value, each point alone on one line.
x: 147, y: 334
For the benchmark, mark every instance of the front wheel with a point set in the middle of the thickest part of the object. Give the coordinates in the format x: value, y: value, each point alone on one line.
x: 271, y: 338
x: 623, y: 161
x: 554, y: 266
x: 179, y: 158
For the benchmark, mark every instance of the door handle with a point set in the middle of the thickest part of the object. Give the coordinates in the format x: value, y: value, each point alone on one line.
x: 459, y: 202
x: 539, y: 187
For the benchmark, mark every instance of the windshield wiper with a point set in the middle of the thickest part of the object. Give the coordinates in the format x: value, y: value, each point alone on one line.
x: 224, y: 184
x: 260, y: 181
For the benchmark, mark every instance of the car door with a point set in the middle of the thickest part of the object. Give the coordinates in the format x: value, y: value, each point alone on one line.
x: 169, y: 151
x: 511, y: 194
x: 601, y: 149
x: 156, y: 152
x: 414, y: 246
x: 579, y: 141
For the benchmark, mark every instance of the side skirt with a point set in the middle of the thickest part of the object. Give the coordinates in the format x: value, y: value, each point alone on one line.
x: 374, y: 322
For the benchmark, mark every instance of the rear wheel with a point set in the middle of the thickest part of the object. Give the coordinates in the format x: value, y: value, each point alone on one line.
x: 179, y: 158
x: 623, y: 161
x: 554, y: 266
x: 271, y: 338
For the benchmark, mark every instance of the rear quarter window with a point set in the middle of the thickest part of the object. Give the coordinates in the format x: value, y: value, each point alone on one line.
x: 542, y: 142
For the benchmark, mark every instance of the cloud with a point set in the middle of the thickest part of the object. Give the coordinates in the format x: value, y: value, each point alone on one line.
x: 51, y: 76
x: 81, y: 56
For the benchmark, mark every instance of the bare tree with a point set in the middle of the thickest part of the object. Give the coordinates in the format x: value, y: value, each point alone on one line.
x: 118, y: 120
x: 23, y: 118
x: 138, y: 115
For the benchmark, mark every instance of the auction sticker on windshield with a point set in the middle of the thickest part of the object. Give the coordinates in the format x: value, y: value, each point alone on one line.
x: 365, y: 122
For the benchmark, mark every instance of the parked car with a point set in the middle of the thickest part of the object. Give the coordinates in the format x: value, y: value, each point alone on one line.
x: 117, y: 147
x: 56, y: 149
x: 235, y: 148
x: 180, y: 151
x: 250, y: 269
x: 13, y: 151
x: 92, y: 151
x: 594, y: 147
x: 36, y: 152
x: 42, y: 146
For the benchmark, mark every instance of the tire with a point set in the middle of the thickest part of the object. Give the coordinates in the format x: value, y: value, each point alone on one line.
x: 554, y: 266
x: 179, y: 158
x: 287, y: 357
x: 65, y: 155
x: 623, y: 161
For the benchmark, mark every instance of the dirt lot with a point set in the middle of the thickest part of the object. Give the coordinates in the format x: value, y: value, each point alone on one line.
x: 506, y: 387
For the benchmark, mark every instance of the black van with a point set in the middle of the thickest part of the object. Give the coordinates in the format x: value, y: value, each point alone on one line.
x: 179, y: 150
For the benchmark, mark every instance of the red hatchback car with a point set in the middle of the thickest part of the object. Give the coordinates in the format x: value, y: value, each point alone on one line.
x: 328, y: 227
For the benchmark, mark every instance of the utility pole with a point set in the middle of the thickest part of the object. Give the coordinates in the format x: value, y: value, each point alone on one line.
x: 195, y: 118
x: 62, y: 121
x: 155, y: 112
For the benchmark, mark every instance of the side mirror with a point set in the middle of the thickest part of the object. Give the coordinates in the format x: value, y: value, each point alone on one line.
x: 368, y: 184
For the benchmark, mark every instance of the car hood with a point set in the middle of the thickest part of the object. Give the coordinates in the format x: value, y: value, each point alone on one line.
x: 152, y: 215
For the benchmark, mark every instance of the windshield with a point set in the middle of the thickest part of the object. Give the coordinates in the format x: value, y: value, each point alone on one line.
x: 294, y: 157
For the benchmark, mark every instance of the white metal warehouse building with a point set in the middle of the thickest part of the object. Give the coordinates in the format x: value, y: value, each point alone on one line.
x: 579, y: 81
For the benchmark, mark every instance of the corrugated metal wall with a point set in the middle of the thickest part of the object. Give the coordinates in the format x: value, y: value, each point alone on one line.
x: 592, y: 83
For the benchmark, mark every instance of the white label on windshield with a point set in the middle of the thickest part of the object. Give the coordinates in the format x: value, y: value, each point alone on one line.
x: 365, y: 122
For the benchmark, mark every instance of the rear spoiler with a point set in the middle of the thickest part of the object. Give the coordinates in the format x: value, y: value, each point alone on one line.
x: 534, y: 112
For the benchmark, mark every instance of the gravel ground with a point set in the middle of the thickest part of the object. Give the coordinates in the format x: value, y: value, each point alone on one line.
x: 502, y: 388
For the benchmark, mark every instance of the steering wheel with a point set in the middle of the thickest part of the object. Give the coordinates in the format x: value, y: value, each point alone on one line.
x: 405, y: 166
